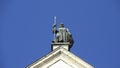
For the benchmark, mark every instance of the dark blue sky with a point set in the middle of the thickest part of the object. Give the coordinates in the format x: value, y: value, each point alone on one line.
x: 26, y: 35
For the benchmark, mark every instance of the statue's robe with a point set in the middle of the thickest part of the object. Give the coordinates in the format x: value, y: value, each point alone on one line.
x: 63, y: 35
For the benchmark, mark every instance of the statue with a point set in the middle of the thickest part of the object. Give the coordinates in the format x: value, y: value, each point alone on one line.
x: 62, y: 34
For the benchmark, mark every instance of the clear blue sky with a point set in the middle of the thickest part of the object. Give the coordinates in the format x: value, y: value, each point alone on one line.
x: 26, y: 35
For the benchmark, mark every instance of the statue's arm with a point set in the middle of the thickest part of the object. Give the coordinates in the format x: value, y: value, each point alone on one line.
x: 54, y: 30
x: 71, y: 40
x: 68, y: 31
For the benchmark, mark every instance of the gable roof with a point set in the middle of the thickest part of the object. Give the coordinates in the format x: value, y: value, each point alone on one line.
x: 58, y: 54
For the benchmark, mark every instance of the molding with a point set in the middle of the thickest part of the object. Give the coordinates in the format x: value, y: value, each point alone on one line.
x: 63, y: 54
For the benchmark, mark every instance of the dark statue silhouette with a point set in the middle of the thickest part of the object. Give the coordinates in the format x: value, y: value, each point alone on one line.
x: 62, y: 35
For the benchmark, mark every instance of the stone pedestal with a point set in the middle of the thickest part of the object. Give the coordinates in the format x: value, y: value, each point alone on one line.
x: 65, y: 45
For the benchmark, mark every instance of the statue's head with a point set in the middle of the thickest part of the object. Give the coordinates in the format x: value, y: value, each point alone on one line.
x: 61, y: 25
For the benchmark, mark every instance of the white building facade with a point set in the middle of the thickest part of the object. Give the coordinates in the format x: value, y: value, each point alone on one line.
x: 60, y: 57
